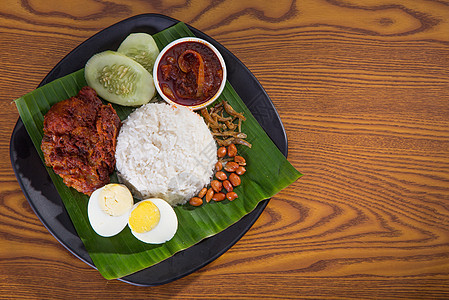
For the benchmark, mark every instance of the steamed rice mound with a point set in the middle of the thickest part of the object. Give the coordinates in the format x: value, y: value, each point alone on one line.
x: 165, y: 151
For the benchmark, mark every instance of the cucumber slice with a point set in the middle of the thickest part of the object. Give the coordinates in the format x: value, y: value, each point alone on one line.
x: 119, y: 79
x: 142, y: 48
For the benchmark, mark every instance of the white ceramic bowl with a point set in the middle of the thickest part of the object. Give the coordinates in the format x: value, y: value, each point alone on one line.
x: 178, y: 41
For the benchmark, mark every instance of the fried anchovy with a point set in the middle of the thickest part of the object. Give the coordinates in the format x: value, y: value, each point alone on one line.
x: 230, y: 125
x: 239, y: 135
x: 219, y: 118
x: 233, y: 140
x: 208, y: 118
x: 232, y: 112
x: 216, y: 128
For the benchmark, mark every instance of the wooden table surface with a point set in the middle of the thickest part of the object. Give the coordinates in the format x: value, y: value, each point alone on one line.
x: 362, y: 88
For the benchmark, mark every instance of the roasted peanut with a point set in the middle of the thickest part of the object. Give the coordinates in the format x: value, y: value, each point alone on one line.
x: 231, y: 196
x: 219, y: 197
x: 231, y: 166
x: 240, y: 160
x: 234, y: 179
x: 218, y: 166
x: 209, y: 194
x: 216, y: 185
x: 240, y: 170
x: 195, y: 201
x: 228, y: 186
x: 221, y: 175
x: 202, y: 193
x: 232, y: 150
x: 221, y: 152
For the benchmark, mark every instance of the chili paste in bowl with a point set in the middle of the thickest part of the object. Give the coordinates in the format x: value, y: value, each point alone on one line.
x: 189, y: 72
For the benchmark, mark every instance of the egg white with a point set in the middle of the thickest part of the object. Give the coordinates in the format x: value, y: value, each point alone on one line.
x: 103, y: 223
x: 165, y: 229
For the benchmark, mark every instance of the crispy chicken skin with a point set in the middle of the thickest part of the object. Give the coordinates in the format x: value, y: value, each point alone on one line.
x: 80, y: 136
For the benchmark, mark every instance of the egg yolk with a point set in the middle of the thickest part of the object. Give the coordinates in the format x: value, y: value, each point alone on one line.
x: 115, y: 199
x: 144, y: 217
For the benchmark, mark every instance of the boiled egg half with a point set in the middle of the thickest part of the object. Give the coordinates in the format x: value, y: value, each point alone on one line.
x: 112, y: 207
x: 108, y: 209
x: 153, y: 221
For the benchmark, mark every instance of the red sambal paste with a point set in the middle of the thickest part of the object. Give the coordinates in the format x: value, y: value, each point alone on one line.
x: 190, y: 73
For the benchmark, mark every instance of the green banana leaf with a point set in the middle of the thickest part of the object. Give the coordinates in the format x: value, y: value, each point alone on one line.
x: 123, y: 254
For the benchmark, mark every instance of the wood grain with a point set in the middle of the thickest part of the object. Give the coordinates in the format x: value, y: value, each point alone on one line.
x: 362, y: 88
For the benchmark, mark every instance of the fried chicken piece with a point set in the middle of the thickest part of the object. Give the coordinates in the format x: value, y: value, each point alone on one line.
x: 80, y: 136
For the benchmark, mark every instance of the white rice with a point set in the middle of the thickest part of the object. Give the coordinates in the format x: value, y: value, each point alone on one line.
x: 166, y: 152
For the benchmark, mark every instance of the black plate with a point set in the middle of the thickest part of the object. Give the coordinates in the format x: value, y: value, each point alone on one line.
x: 46, y: 203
